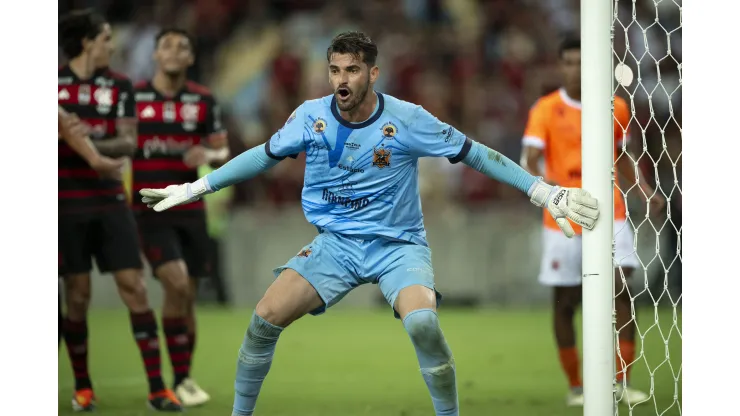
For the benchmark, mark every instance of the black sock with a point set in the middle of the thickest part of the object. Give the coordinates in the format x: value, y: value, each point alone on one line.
x: 144, y: 326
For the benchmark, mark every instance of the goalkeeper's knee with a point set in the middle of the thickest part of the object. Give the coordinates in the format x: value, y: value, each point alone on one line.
x: 423, y: 328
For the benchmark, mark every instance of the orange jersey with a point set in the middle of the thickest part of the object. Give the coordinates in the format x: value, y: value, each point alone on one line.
x: 554, y: 126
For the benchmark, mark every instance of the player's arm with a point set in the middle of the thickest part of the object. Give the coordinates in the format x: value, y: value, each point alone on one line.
x: 74, y: 134
x: 534, y: 141
x: 215, y: 148
x: 530, y: 160
x: 287, y: 142
x: 431, y: 137
x: 625, y: 158
x: 124, y: 144
x: 631, y: 173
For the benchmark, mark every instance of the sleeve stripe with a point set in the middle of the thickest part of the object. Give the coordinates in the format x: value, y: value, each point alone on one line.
x: 533, y: 141
x: 463, y: 152
x: 269, y: 152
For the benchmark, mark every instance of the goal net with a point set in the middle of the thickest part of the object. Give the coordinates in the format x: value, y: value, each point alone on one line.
x: 646, y: 49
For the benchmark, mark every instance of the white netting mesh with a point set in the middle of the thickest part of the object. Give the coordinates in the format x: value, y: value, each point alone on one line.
x: 647, y: 39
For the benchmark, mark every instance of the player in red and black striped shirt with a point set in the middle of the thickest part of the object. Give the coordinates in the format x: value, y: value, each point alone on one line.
x: 72, y: 131
x: 179, y: 130
x: 94, y: 218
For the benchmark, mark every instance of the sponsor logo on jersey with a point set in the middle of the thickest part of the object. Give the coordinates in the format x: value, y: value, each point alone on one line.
x: 319, y: 126
x: 347, y: 202
x: 389, y: 130
x: 147, y: 112
x: 166, y: 146
x: 144, y: 96
x: 190, y: 98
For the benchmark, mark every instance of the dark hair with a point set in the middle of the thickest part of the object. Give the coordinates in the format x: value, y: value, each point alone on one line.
x: 570, y: 43
x: 356, y: 44
x: 76, y: 26
x: 174, y: 31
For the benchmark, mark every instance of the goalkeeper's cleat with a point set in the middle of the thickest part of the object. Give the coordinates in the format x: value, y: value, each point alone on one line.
x: 83, y: 400
x: 165, y: 401
x: 630, y: 396
x: 565, y: 204
x: 191, y: 394
x: 575, y: 397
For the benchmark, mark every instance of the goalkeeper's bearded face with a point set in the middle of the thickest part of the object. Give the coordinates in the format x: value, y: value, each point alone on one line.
x: 351, y: 79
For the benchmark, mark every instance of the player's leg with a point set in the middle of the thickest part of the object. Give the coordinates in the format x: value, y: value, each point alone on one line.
x: 190, y: 315
x: 75, y: 265
x: 566, y: 300
x: 163, y: 250
x: 406, y: 279
x: 287, y: 299
x: 624, y: 255
x: 119, y: 253
x: 309, y: 283
x: 561, y: 270
x: 195, y: 248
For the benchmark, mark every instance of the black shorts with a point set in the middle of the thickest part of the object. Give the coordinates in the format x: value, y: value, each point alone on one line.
x: 188, y: 240
x: 110, y: 237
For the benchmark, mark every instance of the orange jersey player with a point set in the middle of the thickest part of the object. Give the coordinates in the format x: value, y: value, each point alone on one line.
x: 553, y: 134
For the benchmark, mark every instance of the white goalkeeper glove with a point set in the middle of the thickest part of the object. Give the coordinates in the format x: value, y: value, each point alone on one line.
x: 173, y: 195
x: 566, y: 203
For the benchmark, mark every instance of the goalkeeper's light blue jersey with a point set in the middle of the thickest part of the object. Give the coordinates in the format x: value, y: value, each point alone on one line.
x: 362, y: 179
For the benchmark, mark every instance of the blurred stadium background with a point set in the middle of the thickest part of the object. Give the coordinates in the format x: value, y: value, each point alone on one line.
x: 478, y: 64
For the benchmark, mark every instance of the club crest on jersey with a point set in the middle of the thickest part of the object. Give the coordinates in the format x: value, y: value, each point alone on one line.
x: 104, y: 98
x: 319, y: 126
x: 389, y: 130
x: 189, y: 114
x: 381, y: 157
x: 305, y: 252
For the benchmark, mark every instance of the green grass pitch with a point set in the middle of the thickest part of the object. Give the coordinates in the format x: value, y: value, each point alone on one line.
x: 360, y: 362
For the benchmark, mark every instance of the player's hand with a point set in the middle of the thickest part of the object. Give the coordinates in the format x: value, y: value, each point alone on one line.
x: 567, y: 203
x: 173, y: 195
x: 108, y: 168
x: 195, y: 157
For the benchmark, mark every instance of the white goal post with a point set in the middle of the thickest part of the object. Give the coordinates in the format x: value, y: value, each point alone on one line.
x: 643, y: 36
x: 597, y: 159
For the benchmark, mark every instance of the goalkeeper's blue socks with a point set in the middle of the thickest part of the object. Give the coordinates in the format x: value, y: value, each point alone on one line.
x: 435, y: 360
x: 255, y: 358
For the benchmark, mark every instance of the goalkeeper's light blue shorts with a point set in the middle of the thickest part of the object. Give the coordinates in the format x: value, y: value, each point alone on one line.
x: 334, y: 264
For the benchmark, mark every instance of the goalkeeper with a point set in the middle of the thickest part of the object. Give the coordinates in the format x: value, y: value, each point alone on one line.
x: 361, y: 191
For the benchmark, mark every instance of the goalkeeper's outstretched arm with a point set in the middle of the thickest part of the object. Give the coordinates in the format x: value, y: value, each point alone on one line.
x: 575, y: 204
x: 245, y: 166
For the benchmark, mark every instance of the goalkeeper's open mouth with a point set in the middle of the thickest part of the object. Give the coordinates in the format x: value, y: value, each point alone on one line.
x: 343, y: 93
